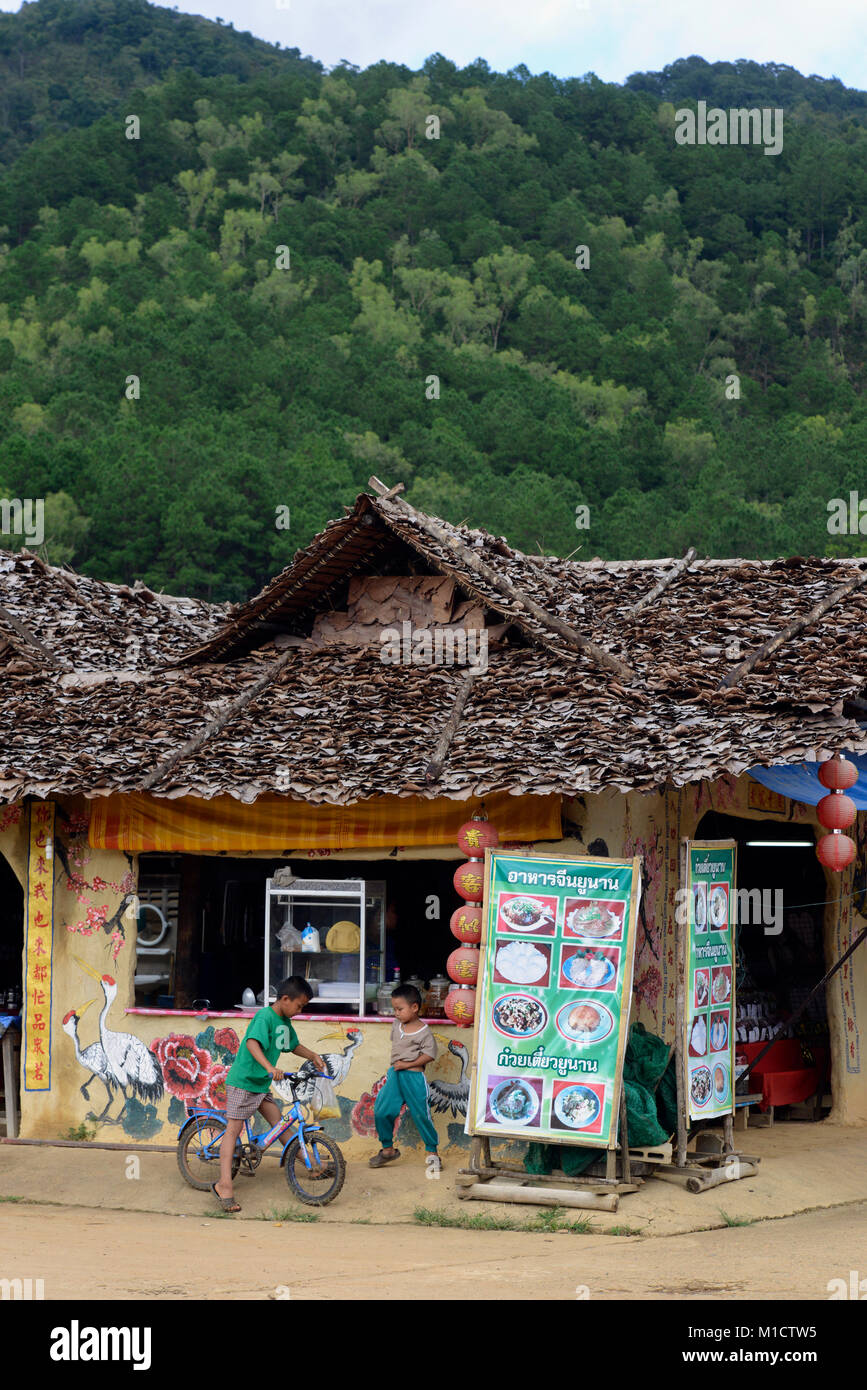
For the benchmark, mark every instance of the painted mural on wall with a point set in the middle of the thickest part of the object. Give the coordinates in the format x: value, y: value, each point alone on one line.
x: 94, y: 917
x: 120, y: 1060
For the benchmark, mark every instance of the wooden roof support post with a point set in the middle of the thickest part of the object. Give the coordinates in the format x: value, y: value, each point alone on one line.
x: 674, y: 573
x: 798, y: 625
x: 216, y: 726
x: 569, y: 634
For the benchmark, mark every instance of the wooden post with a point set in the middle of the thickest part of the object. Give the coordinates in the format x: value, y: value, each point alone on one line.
x: 10, y: 1084
x: 728, y: 1131
x: 680, y: 964
x: 187, y: 953
x: 626, y: 1168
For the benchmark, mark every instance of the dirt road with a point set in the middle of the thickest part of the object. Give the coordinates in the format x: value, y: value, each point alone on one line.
x: 83, y: 1252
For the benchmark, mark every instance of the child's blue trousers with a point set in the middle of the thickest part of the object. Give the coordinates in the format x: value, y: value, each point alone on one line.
x: 404, y: 1088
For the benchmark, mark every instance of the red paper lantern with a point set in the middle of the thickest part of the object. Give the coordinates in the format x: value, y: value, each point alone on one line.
x: 460, y: 1005
x: 475, y: 836
x: 469, y: 881
x: 462, y: 965
x: 835, y: 851
x: 836, y: 811
x: 466, y: 924
x: 838, y: 774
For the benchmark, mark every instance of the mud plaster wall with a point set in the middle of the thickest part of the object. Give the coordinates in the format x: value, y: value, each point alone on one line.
x: 194, y: 1054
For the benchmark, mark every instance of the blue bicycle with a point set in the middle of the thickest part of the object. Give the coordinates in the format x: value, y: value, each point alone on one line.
x: 315, y: 1167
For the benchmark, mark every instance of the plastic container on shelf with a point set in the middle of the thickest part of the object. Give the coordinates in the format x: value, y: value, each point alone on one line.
x: 383, y: 994
x: 436, y: 996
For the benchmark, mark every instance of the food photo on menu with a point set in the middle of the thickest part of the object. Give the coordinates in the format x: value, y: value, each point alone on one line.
x: 718, y: 907
x: 584, y: 1024
x: 591, y: 917
x: 719, y: 1032
x: 514, y: 1100
x: 701, y: 988
x: 578, y: 1106
x: 699, y: 906
x: 698, y: 1037
x: 721, y: 984
x: 700, y: 1085
x: 589, y: 967
x: 524, y: 912
x: 519, y: 1015
x: 522, y: 963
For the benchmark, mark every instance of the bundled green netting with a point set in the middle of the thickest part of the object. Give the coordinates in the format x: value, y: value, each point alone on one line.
x: 650, y: 1083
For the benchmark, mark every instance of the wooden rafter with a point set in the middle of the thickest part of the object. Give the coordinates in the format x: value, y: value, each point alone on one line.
x: 30, y: 640
x: 736, y: 675
x: 444, y: 742
x: 667, y: 579
x: 499, y: 582
x: 225, y: 716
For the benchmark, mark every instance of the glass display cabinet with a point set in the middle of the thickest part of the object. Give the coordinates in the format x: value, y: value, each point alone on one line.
x: 347, y: 964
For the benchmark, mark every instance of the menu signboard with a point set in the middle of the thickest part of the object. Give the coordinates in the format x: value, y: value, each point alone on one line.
x: 553, y: 997
x: 710, y: 979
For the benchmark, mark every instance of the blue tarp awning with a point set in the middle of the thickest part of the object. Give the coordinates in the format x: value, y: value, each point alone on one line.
x: 800, y: 781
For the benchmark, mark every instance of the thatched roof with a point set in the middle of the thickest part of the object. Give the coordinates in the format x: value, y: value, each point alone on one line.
x: 243, y: 706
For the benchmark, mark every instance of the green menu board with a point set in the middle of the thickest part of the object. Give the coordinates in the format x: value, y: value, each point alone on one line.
x: 708, y: 1047
x: 553, y: 997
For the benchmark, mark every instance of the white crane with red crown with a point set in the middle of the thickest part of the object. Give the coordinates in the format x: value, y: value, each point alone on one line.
x: 131, y: 1065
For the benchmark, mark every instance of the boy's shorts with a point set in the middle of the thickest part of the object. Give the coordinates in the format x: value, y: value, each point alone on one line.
x: 241, y: 1104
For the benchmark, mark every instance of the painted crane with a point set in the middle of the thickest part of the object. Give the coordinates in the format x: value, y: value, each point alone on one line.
x: 92, y: 1058
x: 131, y: 1065
x: 308, y: 1089
x: 452, y: 1095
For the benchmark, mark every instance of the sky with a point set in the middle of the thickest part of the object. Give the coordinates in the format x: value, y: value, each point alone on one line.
x: 612, y: 38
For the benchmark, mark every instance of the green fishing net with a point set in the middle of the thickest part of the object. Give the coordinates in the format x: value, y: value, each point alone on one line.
x: 650, y: 1084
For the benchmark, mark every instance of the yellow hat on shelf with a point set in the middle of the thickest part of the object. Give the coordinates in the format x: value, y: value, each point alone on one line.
x: 344, y: 937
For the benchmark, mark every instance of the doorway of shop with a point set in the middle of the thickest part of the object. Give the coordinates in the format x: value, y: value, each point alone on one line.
x: 779, y: 946
x: 11, y: 975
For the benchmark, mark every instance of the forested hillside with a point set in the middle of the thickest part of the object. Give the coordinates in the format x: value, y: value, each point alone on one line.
x: 283, y: 284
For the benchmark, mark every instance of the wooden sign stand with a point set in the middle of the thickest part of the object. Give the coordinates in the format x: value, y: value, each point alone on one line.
x: 710, y: 1162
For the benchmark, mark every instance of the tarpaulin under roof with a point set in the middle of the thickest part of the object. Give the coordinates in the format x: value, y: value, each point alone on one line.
x: 800, y: 781
x: 690, y: 669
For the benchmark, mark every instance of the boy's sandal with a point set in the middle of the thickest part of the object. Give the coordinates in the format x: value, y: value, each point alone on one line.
x: 227, y: 1203
x: 379, y: 1160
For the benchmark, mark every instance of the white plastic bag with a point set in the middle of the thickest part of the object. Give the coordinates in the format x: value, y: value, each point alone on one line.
x: 325, y: 1104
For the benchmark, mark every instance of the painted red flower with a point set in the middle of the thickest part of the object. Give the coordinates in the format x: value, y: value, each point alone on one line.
x: 99, y: 884
x: 215, y: 1091
x: 185, y: 1067
x: 228, y: 1038
x: 361, y: 1118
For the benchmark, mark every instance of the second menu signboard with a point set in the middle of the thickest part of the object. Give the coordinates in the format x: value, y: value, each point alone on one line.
x: 553, y: 997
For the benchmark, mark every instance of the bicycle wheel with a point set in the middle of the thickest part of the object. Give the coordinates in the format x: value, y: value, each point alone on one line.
x: 198, y: 1168
x: 321, y: 1182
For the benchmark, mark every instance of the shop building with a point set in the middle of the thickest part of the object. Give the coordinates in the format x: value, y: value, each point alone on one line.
x: 163, y: 760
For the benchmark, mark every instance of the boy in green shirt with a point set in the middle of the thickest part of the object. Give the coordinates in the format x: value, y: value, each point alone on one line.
x: 250, y: 1075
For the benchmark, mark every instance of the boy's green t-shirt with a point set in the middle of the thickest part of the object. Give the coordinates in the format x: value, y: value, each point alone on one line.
x: 274, y: 1035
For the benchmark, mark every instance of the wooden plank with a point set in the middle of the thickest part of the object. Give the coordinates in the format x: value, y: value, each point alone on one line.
x: 541, y: 1197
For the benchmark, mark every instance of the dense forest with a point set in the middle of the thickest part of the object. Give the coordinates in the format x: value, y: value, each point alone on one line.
x: 232, y: 283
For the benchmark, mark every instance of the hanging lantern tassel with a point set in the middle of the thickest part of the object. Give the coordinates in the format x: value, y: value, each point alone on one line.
x: 836, y: 812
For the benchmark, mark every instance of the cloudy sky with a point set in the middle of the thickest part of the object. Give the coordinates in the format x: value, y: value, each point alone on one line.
x: 568, y: 37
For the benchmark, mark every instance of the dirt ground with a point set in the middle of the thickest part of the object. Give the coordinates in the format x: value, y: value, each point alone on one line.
x: 803, y: 1166
x: 109, y: 1224
x: 84, y: 1253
